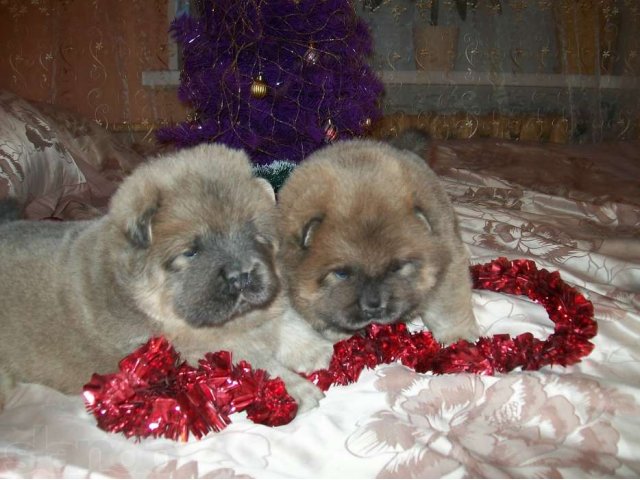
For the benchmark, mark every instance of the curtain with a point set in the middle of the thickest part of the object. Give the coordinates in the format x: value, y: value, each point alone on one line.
x: 565, y: 71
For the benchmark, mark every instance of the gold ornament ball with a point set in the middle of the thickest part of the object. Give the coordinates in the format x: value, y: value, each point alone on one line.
x: 259, y: 88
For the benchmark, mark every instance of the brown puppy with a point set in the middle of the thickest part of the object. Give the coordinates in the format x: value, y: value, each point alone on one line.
x: 369, y: 235
x: 187, y: 250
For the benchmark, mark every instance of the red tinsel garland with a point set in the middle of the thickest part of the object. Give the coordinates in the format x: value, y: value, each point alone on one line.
x: 155, y: 394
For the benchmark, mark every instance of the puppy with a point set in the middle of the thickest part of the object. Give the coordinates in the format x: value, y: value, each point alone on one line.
x: 186, y: 250
x: 369, y: 235
x: 9, y: 210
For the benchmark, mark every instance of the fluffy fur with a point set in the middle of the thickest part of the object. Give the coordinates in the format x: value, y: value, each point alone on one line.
x: 187, y: 250
x: 369, y: 235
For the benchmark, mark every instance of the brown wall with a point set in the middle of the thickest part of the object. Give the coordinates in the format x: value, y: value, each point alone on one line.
x: 88, y: 56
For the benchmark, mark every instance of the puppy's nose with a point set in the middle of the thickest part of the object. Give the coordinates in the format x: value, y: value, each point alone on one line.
x: 237, y: 279
x: 372, y: 304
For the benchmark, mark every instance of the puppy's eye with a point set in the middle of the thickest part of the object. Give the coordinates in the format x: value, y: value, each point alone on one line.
x: 192, y: 252
x: 396, y: 267
x: 402, y: 267
x: 182, y: 260
x: 341, y: 274
x: 336, y: 276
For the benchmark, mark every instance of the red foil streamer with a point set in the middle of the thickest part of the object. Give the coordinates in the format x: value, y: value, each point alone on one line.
x: 155, y: 394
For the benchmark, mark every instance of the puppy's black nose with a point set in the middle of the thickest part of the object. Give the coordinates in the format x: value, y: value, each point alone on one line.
x: 372, y: 303
x: 237, y: 279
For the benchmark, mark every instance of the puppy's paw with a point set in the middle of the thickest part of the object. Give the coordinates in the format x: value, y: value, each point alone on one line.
x: 305, y: 393
x: 302, y: 349
x: 467, y: 331
x: 454, y: 337
x: 314, y: 356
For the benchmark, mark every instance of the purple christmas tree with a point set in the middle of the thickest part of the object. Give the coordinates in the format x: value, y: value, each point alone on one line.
x: 278, y: 78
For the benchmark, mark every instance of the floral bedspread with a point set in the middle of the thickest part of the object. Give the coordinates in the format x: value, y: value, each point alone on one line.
x: 575, y: 211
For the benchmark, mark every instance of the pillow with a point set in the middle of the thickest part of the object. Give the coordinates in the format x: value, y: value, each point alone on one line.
x: 57, y: 164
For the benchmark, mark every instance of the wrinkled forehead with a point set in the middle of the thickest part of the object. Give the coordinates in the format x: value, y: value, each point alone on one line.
x: 217, y: 208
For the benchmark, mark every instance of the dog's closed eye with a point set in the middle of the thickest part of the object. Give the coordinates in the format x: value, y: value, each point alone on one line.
x: 182, y: 259
x: 190, y: 253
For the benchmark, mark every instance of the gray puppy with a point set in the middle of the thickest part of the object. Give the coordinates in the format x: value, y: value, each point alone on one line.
x: 369, y: 235
x: 187, y: 250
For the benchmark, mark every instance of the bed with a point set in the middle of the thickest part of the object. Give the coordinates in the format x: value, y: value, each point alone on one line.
x: 572, y: 209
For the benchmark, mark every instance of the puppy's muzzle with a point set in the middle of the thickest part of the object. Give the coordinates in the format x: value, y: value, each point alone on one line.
x: 373, y: 304
x: 373, y: 313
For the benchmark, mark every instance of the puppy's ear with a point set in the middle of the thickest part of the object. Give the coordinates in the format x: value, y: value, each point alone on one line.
x: 422, y: 216
x: 413, y: 140
x: 308, y: 231
x: 139, y: 230
x: 264, y: 183
x: 133, y: 207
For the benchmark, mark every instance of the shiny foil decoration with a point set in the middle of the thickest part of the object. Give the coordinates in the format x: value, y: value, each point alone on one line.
x: 156, y: 394
x: 259, y: 88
